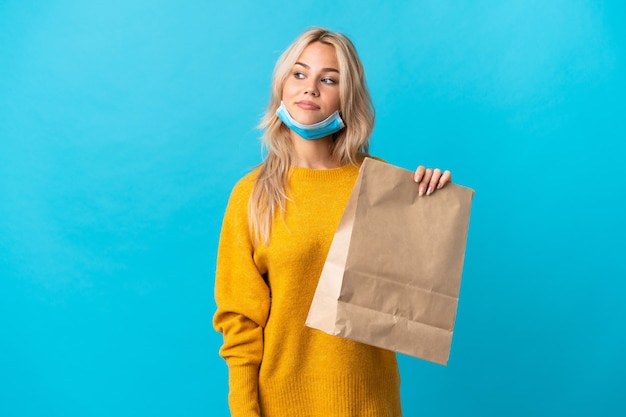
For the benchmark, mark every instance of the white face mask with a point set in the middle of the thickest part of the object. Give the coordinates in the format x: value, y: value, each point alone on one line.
x: 328, y: 126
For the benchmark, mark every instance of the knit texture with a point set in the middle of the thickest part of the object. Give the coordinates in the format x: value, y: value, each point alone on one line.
x: 277, y: 366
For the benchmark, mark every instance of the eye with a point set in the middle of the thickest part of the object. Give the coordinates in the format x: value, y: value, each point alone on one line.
x: 298, y: 75
x: 328, y: 80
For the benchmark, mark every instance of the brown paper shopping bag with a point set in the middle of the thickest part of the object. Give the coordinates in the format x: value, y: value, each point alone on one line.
x: 393, y: 272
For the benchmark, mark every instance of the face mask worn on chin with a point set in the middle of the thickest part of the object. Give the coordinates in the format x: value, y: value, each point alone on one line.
x: 328, y: 126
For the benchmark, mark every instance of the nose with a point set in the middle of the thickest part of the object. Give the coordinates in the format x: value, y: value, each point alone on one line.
x: 312, y: 90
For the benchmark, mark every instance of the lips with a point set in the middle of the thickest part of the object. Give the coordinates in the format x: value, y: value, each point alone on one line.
x: 307, y: 105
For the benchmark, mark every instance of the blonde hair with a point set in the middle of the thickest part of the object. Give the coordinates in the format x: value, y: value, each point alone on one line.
x: 350, y: 145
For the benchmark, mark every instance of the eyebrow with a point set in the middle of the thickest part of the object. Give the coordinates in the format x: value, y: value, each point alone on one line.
x: 323, y: 69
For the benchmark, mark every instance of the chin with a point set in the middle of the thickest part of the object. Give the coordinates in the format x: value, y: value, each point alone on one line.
x: 307, y: 118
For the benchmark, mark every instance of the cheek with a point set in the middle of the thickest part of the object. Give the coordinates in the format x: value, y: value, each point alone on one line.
x: 337, y: 101
x: 288, y: 89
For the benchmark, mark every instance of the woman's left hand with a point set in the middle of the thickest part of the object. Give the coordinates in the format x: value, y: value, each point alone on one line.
x: 428, y: 180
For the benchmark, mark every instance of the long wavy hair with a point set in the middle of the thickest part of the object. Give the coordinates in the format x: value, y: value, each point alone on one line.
x: 350, y: 145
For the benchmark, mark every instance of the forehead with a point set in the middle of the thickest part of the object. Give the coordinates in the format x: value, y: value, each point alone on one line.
x: 320, y: 55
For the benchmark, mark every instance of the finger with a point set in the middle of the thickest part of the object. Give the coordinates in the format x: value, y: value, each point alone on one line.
x: 423, y: 185
x: 434, y: 180
x: 419, y: 173
x: 446, y: 177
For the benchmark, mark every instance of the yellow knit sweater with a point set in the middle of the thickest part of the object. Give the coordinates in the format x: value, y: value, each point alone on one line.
x: 277, y: 366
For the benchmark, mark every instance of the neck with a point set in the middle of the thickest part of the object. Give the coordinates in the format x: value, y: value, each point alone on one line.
x: 315, y: 154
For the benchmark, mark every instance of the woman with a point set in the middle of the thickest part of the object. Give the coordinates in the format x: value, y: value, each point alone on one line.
x: 277, y: 230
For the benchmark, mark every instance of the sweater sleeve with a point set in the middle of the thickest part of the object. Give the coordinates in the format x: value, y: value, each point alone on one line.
x: 243, y: 302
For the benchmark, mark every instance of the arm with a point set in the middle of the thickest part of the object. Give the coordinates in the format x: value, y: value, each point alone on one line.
x: 242, y: 298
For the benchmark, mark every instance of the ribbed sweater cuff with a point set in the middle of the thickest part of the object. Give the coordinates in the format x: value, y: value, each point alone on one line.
x: 243, y: 397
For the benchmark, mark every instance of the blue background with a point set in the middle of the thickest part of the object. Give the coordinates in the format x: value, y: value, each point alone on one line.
x: 123, y: 126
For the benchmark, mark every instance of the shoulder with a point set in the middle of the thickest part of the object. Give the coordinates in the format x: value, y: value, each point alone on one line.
x: 241, y: 191
x: 246, y: 183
